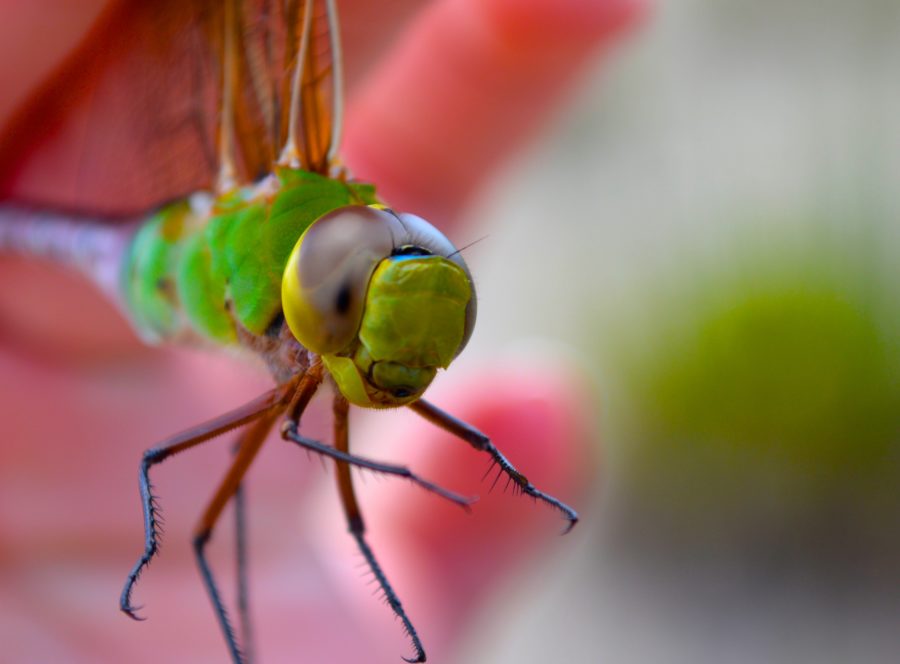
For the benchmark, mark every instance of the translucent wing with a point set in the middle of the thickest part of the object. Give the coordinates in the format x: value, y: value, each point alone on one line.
x: 129, y: 120
x: 311, y: 93
x: 246, y: 41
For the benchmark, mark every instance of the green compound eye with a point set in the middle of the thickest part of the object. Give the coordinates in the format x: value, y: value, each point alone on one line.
x: 419, y: 233
x: 384, y: 299
x: 324, y: 285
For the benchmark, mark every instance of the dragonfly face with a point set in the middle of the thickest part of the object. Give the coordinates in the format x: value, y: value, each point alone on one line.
x: 384, y: 299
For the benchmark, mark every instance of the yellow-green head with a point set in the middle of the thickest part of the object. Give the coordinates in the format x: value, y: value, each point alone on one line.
x: 385, y: 299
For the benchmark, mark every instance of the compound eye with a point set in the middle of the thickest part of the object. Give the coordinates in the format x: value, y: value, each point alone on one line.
x: 420, y: 233
x: 325, y: 282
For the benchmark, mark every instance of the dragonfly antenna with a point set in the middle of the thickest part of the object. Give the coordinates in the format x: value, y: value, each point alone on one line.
x: 472, y: 243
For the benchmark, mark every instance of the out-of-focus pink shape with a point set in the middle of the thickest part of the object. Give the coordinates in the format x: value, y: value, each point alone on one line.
x: 466, y: 86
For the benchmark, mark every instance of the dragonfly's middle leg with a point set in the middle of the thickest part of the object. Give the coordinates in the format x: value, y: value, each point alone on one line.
x: 358, y: 529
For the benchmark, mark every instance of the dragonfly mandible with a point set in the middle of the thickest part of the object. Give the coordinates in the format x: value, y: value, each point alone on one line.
x: 290, y: 260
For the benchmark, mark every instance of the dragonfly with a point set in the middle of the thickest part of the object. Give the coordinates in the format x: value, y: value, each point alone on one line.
x: 288, y: 259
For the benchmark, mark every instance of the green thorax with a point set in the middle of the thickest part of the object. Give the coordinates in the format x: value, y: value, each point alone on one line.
x: 211, y: 273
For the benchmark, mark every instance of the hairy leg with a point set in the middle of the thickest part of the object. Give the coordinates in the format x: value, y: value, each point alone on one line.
x: 357, y: 526
x: 251, y: 442
x: 482, y: 443
x: 259, y: 407
x: 290, y: 432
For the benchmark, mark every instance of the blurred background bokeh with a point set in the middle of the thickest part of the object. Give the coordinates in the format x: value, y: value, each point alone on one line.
x: 709, y: 232
x: 712, y: 232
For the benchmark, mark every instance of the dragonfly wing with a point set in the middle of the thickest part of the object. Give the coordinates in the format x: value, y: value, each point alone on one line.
x: 311, y: 90
x: 256, y: 39
x: 127, y: 121
x: 130, y: 119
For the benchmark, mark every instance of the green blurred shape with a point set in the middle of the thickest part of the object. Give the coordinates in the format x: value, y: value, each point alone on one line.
x: 762, y: 399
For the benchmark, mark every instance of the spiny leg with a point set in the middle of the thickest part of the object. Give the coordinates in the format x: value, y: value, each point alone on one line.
x: 357, y: 527
x: 290, y: 432
x: 178, y: 443
x: 243, y: 587
x: 481, y: 442
x: 245, y: 451
x: 252, y: 441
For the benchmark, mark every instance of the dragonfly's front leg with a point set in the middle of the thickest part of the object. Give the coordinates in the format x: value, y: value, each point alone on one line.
x: 290, y: 431
x: 179, y: 443
x: 357, y: 526
x: 481, y: 442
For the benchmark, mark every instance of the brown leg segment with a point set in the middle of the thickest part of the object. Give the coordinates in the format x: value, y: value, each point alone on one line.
x: 290, y: 431
x: 259, y: 407
x: 481, y: 442
x: 250, y: 444
x: 357, y: 526
x: 294, y: 397
x: 243, y: 587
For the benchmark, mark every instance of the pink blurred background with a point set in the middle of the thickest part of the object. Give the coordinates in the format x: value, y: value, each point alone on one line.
x: 697, y: 237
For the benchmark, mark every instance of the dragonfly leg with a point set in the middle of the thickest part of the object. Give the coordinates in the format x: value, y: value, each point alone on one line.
x: 250, y: 445
x: 357, y: 527
x: 482, y: 443
x: 273, y: 400
x: 290, y: 432
x: 243, y: 588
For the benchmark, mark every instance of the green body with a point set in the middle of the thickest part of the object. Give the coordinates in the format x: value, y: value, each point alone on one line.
x: 191, y: 274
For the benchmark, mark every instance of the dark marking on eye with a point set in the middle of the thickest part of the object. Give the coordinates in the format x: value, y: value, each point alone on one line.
x: 402, y: 392
x: 410, y: 250
x: 342, y: 302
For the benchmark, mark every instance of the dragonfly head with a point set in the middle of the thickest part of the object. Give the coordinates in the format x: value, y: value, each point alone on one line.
x: 384, y: 298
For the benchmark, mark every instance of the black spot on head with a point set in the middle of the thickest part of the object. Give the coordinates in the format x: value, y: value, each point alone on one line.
x: 410, y: 250
x: 342, y: 302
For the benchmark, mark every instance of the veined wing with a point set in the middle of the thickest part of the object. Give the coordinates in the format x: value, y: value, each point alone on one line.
x: 282, y: 70
x: 130, y: 120
x: 312, y: 97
